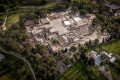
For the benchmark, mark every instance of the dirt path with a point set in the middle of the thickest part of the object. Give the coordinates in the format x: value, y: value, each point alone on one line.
x: 3, y: 26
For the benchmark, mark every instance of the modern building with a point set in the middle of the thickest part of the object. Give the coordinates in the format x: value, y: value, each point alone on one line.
x: 113, y: 59
x: 67, y: 23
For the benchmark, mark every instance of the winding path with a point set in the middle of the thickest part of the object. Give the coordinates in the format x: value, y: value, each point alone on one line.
x: 22, y: 58
x: 4, y: 22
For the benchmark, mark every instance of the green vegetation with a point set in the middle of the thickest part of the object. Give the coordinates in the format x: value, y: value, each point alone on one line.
x: 14, y: 4
x: 43, y: 62
x: 13, y: 18
x: 113, y: 47
x: 34, y: 2
x: 51, y: 4
x: 48, y: 5
x: 113, y: 68
x: 80, y: 71
x: 13, y: 68
x: 115, y: 71
x: 6, y: 77
x: 81, y: 0
x: 15, y: 39
x: 55, y: 41
x: 73, y: 49
x: 114, y: 1
x: 2, y: 19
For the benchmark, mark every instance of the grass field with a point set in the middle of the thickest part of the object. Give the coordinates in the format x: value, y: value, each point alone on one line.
x: 13, y: 18
x: 13, y: 68
x: 81, y: 72
x: 113, y: 47
x: 76, y: 71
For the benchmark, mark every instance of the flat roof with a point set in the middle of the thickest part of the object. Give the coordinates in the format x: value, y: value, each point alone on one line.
x: 52, y: 30
x: 77, y: 19
x: 67, y: 23
x: 81, y: 23
x: 113, y: 59
x: 44, y: 21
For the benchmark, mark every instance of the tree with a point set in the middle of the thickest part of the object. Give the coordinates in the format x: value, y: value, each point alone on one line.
x: 55, y: 42
x: 84, y: 58
x: 103, y: 41
x: 24, y: 37
x: 40, y: 49
x: 29, y: 77
x: 83, y: 12
x: 96, y: 41
x: 91, y: 61
x: 72, y: 60
x: 66, y: 60
x: 59, y: 7
x: 31, y: 16
x: 41, y: 13
x: 22, y: 21
x: 38, y: 57
x: 2, y: 8
x: 43, y: 2
x: 95, y: 21
x: 118, y: 19
x: 82, y: 48
x: 89, y: 44
x: 65, y: 50
x: 73, y: 49
x: 75, y: 9
x: 76, y: 56
x: 52, y: 62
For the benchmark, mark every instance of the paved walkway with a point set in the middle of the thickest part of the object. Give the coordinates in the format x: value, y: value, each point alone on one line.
x: 102, y: 69
x: 22, y: 58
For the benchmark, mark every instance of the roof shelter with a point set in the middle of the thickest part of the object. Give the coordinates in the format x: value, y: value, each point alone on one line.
x: 77, y: 19
x: 113, y: 59
x: 67, y: 23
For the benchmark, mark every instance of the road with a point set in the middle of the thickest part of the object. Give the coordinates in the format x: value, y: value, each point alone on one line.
x: 98, y: 60
x: 22, y: 58
x: 104, y: 72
